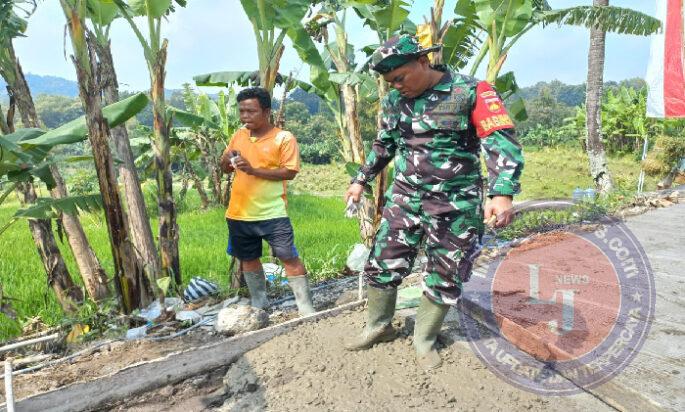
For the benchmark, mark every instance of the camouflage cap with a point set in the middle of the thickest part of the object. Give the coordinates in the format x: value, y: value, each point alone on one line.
x: 398, y: 51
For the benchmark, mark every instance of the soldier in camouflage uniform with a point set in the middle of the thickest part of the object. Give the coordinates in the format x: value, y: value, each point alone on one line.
x: 434, y: 124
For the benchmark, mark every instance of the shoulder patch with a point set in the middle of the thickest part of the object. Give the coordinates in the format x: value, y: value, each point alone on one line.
x: 489, y: 113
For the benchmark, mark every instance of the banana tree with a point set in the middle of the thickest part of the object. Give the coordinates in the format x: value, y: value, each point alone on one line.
x: 346, y: 84
x: 25, y: 159
x: 155, y: 52
x: 100, y: 16
x: 272, y: 22
x: 385, y: 19
x: 91, y: 270
x: 433, y: 31
x: 208, y: 125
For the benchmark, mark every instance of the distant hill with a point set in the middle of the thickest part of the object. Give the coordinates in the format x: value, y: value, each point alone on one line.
x: 51, y: 85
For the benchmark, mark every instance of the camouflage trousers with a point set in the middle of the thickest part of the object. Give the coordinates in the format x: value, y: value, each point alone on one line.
x: 450, y: 226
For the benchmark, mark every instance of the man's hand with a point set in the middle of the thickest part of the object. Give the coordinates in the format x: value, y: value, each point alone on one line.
x: 501, y: 209
x: 355, y: 192
x: 225, y: 162
x: 243, y: 165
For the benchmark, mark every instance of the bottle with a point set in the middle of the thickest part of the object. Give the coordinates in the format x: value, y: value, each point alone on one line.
x: 589, y: 195
x: 578, y: 194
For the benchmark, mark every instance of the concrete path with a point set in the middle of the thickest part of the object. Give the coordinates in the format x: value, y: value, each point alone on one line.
x: 655, y: 379
x: 658, y: 371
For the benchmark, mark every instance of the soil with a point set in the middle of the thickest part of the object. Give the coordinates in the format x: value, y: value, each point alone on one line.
x: 540, y: 241
x: 120, y: 354
x: 308, y: 369
x: 106, y: 360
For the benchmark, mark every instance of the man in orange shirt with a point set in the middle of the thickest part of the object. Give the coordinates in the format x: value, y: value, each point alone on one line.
x: 264, y: 157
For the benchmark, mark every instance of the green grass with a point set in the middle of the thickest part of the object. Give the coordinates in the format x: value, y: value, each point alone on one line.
x: 553, y: 173
x: 549, y: 173
x: 321, y: 180
x: 322, y: 235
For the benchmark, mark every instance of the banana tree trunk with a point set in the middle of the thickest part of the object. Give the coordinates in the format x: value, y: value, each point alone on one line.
x: 184, y: 189
x: 226, y: 192
x: 59, y: 279
x: 19, y: 89
x: 4, y: 127
x: 345, y: 145
x: 352, y: 122
x: 197, y: 182
x: 211, y: 163
x: 67, y: 293
x: 138, y: 219
x: 599, y: 169
x: 353, y: 130
x: 436, y: 29
x: 382, y: 178
x: 94, y: 276
x: 367, y: 211
x: 168, y: 229
x: 132, y: 285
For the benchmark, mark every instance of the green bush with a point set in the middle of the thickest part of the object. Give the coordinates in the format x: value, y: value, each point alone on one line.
x: 541, y: 136
x: 83, y: 182
x: 317, y: 137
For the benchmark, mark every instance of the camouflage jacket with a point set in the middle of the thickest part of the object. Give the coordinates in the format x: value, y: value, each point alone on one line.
x: 436, y: 138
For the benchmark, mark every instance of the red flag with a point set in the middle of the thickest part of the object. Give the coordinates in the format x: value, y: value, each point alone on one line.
x: 665, y: 75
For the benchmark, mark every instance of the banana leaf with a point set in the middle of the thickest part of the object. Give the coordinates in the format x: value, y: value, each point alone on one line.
x: 77, y: 130
x: 49, y: 208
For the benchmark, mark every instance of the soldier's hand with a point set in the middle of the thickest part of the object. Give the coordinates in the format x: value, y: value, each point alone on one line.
x: 501, y: 209
x: 355, y: 192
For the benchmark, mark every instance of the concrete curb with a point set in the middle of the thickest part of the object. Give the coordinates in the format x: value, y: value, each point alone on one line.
x: 174, y: 367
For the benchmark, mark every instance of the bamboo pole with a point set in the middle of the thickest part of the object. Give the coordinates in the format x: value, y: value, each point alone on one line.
x: 29, y: 342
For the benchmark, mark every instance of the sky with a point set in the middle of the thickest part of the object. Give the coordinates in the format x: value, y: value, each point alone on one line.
x: 215, y: 35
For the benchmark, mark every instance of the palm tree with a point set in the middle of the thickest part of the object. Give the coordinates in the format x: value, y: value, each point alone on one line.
x: 601, y: 18
x: 599, y: 169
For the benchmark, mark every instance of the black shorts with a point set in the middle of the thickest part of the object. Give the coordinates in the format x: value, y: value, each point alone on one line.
x: 245, y: 238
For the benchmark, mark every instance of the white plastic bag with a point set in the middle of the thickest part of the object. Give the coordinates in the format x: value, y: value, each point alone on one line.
x: 136, y: 333
x: 357, y: 258
x: 351, y: 209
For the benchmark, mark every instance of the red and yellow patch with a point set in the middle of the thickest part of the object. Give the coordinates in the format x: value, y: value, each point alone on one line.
x: 489, y: 113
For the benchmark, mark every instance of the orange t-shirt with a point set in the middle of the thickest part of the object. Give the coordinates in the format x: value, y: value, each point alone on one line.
x: 254, y: 198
